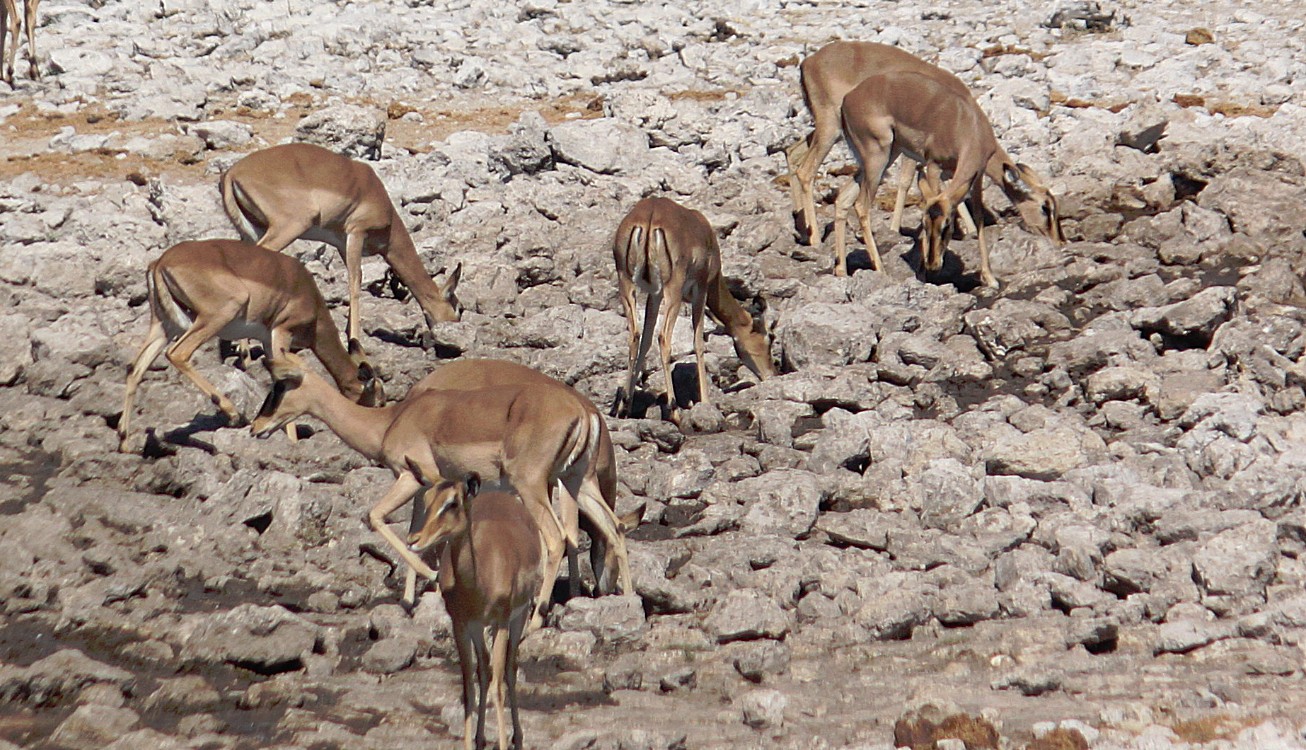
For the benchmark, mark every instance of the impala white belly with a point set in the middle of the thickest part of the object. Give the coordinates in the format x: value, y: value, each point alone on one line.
x: 244, y: 329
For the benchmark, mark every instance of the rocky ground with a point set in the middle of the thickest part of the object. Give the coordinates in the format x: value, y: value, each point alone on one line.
x: 1072, y: 502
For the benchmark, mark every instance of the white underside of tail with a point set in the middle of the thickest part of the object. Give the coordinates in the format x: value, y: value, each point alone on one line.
x: 248, y: 230
x: 174, y: 317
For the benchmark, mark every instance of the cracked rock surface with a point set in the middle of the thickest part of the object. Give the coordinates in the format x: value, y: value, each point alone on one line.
x: 1074, y: 504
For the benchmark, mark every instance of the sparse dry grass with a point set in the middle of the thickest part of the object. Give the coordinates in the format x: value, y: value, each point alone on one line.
x: 29, y: 131
x: 1211, y: 728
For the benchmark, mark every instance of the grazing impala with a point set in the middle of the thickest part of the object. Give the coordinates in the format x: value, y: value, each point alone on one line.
x: 14, y: 25
x: 489, y: 575
x: 829, y: 74
x: 607, y: 544
x: 530, y: 436
x: 913, y: 114
x: 279, y: 194
x: 671, y: 254
x: 198, y: 290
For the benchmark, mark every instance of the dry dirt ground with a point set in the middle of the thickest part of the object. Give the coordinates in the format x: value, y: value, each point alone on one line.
x: 135, y: 560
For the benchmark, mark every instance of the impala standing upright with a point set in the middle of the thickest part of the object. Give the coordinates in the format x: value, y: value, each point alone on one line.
x: 280, y: 194
x: 489, y: 575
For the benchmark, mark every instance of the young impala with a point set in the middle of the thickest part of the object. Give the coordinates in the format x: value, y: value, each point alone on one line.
x: 198, y: 290
x: 670, y: 253
x: 829, y: 74
x: 489, y: 575
x: 280, y: 194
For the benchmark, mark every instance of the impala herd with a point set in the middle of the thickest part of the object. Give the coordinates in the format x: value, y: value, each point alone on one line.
x: 506, y: 464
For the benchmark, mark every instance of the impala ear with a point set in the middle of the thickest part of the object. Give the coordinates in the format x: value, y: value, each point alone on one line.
x: 473, y: 484
x: 273, y: 399
x: 451, y: 283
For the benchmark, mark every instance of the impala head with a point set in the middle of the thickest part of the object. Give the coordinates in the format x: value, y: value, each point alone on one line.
x: 754, y: 346
x: 446, y: 309
x: 1033, y: 200
x: 369, y: 390
x: 448, y: 513
x: 936, y: 226
x: 286, y: 401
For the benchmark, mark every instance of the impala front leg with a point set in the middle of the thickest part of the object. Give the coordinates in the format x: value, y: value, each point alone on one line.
x: 354, y: 269
x: 405, y: 487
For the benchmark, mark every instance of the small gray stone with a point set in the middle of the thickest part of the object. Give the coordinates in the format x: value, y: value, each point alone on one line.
x: 763, y: 709
x: 222, y: 134
x: 1239, y: 562
x: 604, y: 145
x: 1195, y: 318
x: 747, y: 614
x: 390, y: 655
x: 611, y: 619
x: 92, y: 727
x: 345, y: 128
x: 756, y: 660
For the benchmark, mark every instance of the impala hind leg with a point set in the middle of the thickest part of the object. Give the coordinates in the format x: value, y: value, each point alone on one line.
x: 354, y: 270
x: 179, y: 354
x: 670, y: 310
x: 155, y: 340
x: 977, y: 203
x: 634, y: 361
x: 516, y: 625
x: 696, y: 315
x: 824, y: 134
x: 534, y: 492
x: 498, y: 668
x: 33, y: 71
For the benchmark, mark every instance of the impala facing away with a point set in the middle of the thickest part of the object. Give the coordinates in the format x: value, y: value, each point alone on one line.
x: 607, y: 545
x: 280, y: 194
x: 489, y: 575
x: 529, y: 436
x: 671, y: 254
x: 12, y: 23
x: 198, y: 290
x: 829, y: 74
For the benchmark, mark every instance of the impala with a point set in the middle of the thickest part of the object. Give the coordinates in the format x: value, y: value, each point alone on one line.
x: 283, y: 193
x: 198, y: 290
x: 911, y: 113
x: 671, y: 254
x: 529, y: 436
x: 9, y: 9
x: 489, y: 575
x: 829, y: 74
x: 607, y: 540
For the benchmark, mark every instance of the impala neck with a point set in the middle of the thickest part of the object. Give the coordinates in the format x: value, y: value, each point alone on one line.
x: 752, y: 346
x: 407, y: 265
x: 360, y: 427
x: 334, y: 357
